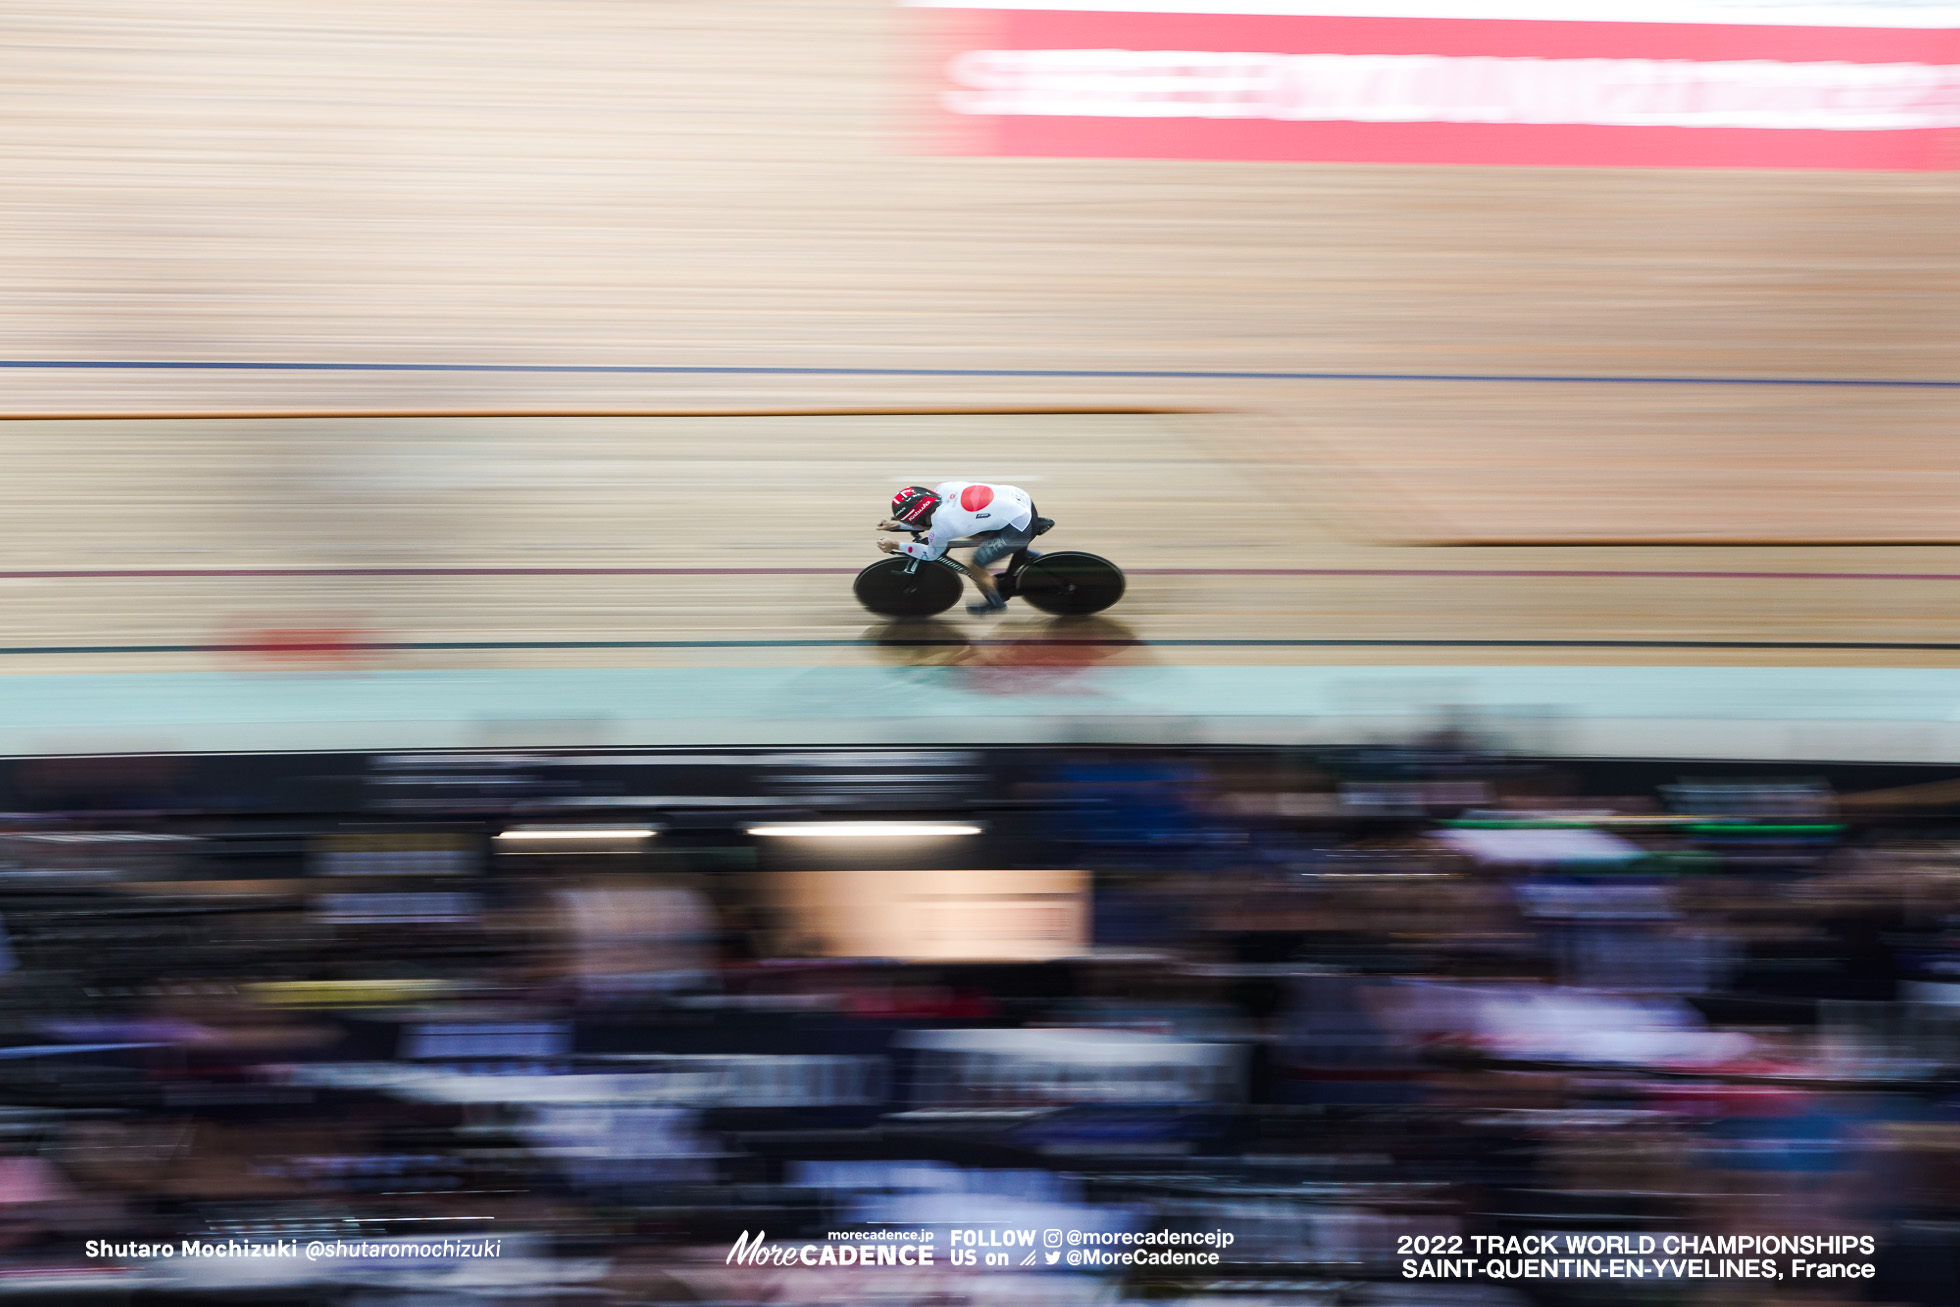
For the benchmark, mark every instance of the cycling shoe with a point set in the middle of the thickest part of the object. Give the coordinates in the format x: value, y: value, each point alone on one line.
x: 983, y: 608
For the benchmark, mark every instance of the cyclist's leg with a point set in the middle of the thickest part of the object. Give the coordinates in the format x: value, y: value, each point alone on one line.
x: 1008, y: 542
x: 983, y: 581
x: 1037, y: 525
x: 1011, y: 543
x: 992, y: 547
x: 979, y: 575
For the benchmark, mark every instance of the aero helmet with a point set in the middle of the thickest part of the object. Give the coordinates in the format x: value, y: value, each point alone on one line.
x: 914, y: 504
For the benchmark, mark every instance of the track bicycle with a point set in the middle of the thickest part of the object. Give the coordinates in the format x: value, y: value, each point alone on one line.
x: 1067, y: 583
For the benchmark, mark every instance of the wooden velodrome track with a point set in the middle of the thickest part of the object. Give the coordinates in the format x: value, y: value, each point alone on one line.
x: 1347, y: 414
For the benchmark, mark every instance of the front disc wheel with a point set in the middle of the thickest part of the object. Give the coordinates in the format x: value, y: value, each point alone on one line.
x: 907, y: 587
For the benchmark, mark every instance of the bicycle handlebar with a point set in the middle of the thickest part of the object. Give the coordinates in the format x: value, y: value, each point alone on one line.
x: 964, y: 542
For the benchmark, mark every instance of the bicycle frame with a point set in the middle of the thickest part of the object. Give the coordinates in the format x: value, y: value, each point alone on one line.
x: 1016, y: 560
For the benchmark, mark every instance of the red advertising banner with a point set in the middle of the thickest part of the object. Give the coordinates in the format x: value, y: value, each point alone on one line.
x: 1715, y: 84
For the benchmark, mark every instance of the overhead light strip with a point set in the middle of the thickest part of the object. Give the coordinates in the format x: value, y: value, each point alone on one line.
x: 579, y: 833
x: 865, y: 830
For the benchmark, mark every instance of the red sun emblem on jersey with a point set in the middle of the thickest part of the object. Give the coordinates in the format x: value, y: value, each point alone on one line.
x: 975, y: 498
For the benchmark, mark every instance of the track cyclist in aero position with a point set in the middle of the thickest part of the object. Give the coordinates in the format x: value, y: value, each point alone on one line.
x: 1001, y: 519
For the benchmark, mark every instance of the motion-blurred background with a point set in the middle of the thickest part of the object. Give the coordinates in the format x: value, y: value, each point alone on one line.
x: 446, y: 785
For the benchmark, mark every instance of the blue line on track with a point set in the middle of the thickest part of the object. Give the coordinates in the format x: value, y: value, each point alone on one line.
x: 1172, y: 374
x: 313, y: 573
x: 325, y: 648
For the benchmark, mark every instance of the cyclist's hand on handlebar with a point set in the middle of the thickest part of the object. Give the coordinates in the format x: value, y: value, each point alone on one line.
x: 892, y: 524
x: 888, y: 546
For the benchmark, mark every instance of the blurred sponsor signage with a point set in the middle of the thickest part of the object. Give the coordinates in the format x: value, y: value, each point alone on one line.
x: 1833, y: 84
x: 461, y: 1041
x: 413, y: 908
x: 940, y: 915
x: 1541, y: 847
x: 400, y: 853
x: 1594, y: 900
x: 753, y: 1080
x: 1058, y: 1067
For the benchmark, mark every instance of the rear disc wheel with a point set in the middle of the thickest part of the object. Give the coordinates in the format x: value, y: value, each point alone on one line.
x: 1070, y: 584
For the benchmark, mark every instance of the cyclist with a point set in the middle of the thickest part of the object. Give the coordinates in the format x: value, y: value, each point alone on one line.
x: 1002, y: 520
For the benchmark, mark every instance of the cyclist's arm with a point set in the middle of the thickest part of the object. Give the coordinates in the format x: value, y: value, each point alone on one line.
x: 929, y: 547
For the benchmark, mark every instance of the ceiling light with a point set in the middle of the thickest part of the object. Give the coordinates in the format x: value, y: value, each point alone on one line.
x: 577, y: 833
x: 861, y: 830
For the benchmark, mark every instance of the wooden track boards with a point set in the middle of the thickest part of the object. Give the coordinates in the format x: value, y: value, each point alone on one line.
x: 730, y: 184
x: 193, y: 544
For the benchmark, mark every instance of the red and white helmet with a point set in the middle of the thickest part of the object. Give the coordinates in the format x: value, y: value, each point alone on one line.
x: 914, y: 504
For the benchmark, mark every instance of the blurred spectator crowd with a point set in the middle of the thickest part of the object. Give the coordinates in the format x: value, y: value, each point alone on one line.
x: 1320, y: 999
